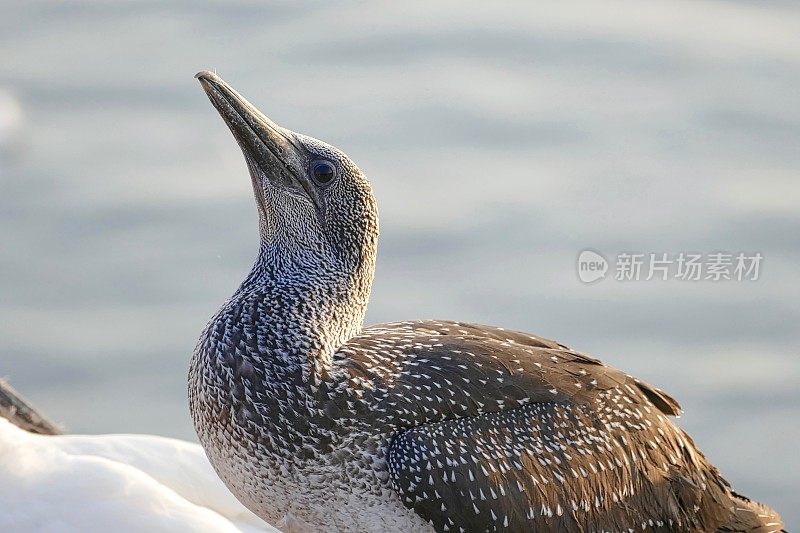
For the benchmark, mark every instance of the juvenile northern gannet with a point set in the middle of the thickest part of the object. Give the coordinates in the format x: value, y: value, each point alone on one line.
x: 318, y: 423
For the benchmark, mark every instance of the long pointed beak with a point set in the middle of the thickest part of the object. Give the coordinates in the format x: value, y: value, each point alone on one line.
x: 272, y: 149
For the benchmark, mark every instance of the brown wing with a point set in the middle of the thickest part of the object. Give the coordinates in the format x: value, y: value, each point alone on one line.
x: 512, y: 432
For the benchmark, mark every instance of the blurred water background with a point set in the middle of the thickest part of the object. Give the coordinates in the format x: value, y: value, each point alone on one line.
x: 501, y: 140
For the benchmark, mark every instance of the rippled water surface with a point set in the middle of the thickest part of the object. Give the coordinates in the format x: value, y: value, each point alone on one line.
x: 501, y: 141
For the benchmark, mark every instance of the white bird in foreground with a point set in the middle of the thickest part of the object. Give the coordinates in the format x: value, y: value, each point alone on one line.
x: 120, y: 483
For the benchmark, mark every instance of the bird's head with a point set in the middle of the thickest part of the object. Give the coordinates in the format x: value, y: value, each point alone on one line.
x: 316, y: 207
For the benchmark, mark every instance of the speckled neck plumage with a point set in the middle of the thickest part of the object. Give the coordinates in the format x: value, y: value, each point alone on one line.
x: 312, y: 308
x: 318, y: 424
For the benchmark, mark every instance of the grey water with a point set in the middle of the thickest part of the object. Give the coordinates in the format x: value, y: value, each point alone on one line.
x: 501, y: 140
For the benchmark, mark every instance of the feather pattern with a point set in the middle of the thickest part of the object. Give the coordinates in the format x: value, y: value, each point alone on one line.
x: 512, y: 432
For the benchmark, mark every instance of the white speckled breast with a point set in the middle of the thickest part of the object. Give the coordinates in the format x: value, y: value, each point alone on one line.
x: 277, y: 447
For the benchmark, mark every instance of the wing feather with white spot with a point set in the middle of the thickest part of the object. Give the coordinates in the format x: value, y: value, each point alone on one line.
x: 505, y: 431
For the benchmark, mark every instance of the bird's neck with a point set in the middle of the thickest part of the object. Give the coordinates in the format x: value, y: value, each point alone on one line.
x: 299, y: 313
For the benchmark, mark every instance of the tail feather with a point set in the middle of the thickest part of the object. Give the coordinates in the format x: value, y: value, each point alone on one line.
x: 752, y: 517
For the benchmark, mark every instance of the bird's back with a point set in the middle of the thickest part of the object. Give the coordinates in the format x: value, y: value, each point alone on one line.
x: 501, y: 430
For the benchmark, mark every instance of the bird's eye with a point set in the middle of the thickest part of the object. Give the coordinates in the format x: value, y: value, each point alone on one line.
x: 323, y: 172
